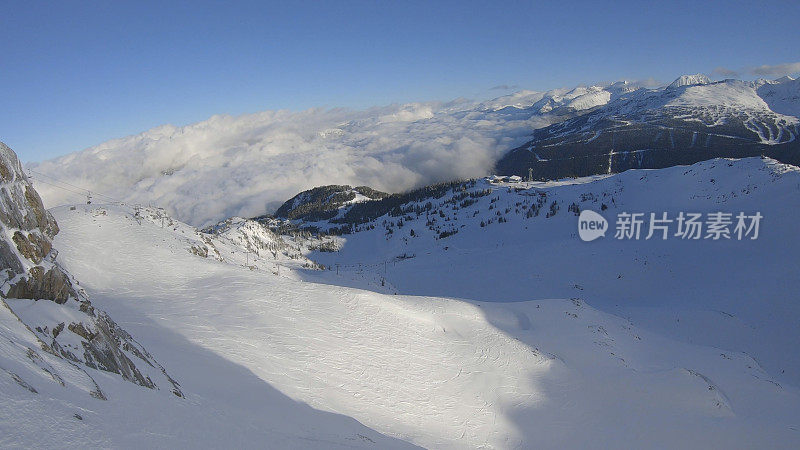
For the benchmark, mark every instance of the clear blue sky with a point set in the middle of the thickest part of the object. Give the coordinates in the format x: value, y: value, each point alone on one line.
x: 74, y: 74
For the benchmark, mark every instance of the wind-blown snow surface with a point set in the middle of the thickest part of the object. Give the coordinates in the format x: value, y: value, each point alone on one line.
x: 731, y: 294
x: 47, y: 401
x: 545, y: 368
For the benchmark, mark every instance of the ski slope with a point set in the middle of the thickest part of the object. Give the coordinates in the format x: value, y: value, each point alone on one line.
x: 498, y: 337
x: 729, y: 294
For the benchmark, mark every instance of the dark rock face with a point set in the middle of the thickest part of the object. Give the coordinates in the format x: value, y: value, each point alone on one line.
x: 30, y: 271
x: 51, y: 285
x: 8, y: 260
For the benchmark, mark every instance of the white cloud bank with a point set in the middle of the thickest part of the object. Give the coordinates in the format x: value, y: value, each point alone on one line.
x: 248, y: 165
x: 776, y: 70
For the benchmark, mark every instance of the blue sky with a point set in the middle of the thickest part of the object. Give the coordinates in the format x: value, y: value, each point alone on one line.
x: 74, y: 74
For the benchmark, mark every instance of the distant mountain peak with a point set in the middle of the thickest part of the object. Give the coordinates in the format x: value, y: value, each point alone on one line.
x: 689, y: 80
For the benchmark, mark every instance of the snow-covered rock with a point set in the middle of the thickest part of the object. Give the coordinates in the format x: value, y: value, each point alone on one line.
x: 48, y: 324
x: 257, y: 238
x: 689, y: 80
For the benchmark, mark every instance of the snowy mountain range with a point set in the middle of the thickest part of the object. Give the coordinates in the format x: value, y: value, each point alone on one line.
x: 693, y: 119
x: 387, y: 306
x: 248, y: 165
x: 459, y: 315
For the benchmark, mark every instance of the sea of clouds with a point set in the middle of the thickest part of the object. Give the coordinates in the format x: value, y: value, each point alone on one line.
x: 248, y: 165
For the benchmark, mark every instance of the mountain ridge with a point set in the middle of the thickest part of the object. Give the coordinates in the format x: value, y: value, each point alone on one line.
x: 689, y: 121
x: 248, y: 165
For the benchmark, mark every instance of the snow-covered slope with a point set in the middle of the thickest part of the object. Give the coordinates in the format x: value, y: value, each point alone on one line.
x: 512, y: 241
x: 47, y: 400
x: 691, y: 120
x: 699, y: 352
x: 262, y: 248
x: 57, y: 351
x: 782, y: 95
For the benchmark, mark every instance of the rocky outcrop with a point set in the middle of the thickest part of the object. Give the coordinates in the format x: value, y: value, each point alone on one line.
x: 51, y: 284
x: 61, y: 317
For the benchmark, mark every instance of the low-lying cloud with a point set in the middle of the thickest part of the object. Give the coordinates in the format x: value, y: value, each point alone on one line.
x: 776, y: 70
x: 504, y: 87
x: 725, y: 72
x: 248, y: 165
